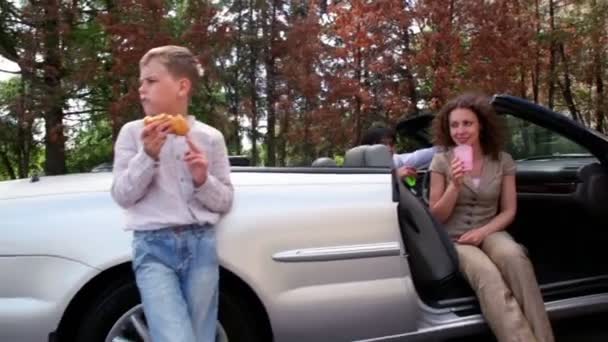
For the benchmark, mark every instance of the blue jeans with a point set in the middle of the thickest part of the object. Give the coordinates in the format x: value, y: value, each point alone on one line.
x: 177, y: 274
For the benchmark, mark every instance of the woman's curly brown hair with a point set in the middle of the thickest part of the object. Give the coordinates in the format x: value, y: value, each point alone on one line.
x: 491, y: 135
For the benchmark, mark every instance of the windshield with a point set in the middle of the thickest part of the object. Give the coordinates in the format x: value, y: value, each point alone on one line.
x: 529, y: 141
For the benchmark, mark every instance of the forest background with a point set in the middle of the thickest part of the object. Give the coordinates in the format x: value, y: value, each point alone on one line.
x: 286, y: 81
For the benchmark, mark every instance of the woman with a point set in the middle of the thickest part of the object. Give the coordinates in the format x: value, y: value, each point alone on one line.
x: 476, y: 207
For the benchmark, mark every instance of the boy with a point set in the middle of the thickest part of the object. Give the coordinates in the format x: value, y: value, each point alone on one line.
x: 174, y: 189
x: 407, y: 164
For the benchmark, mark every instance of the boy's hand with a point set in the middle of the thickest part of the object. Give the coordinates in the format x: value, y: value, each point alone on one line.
x: 197, y: 162
x: 154, y: 136
x: 406, y: 171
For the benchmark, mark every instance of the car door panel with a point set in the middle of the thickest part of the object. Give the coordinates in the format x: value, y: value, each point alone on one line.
x: 547, y: 179
x: 322, y: 254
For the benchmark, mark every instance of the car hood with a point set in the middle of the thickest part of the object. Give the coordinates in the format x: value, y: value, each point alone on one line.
x: 102, y: 181
x: 53, y: 185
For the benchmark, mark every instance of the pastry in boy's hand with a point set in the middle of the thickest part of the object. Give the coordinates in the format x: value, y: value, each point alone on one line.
x: 179, y: 125
x: 153, y: 118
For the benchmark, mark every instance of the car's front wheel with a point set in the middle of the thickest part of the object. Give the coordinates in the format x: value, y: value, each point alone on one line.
x: 117, y: 316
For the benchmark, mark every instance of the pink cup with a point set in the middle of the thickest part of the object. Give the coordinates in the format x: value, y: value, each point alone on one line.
x: 465, y: 154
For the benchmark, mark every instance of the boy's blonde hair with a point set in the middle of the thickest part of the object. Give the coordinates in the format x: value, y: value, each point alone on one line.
x: 179, y: 61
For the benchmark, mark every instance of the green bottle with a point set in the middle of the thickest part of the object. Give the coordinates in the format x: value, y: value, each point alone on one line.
x: 410, y: 181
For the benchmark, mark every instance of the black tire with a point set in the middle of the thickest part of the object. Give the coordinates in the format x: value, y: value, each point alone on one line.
x: 120, y: 297
x: 238, y: 321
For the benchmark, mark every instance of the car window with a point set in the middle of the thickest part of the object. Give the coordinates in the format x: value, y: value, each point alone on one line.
x: 527, y: 140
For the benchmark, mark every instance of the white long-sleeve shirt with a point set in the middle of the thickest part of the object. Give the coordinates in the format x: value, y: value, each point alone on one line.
x: 419, y: 159
x: 161, y: 194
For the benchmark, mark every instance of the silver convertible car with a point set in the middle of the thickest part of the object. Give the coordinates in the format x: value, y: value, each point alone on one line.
x: 314, y: 253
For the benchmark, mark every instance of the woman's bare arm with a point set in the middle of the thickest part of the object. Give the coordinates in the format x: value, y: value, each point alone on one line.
x: 442, y: 199
x: 508, y: 207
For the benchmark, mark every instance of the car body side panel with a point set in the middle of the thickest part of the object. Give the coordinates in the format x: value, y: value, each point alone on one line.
x: 86, y: 227
x: 349, y: 298
x: 34, y: 293
x: 355, y: 295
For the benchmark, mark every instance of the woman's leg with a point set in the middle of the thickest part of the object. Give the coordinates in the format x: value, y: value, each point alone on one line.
x: 499, y: 307
x: 518, y: 273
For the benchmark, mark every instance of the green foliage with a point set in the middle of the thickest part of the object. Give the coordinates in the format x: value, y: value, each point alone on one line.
x: 339, y: 160
x: 9, y: 91
x: 18, y: 151
x: 92, y: 146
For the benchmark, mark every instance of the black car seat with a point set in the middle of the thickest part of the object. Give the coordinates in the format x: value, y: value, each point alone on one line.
x: 591, y: 193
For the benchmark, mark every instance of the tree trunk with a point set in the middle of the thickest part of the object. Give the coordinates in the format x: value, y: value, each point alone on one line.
x: 24, y: 138
x: 270, y: 88
x: 358, y: 113
x: 53, y: 115
x: 598, y: 63
x: 567, y: 86
x: 552, y: 56
x: 323, y: 6
x: 253, y: 134
x: 308, y: 146
x: 236, y: 95
x: 113, y: 90
x: 537, y: 61
x: 522, y: 81
x: 282, y: 139
x: 600, y: 115
x: 7, y: 164
x: 442, y: 56
x: 523, y: 91
x: 24, y: 129
x: 407, y: 74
